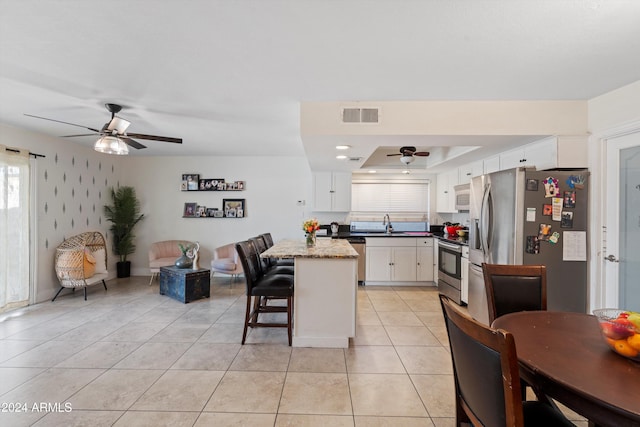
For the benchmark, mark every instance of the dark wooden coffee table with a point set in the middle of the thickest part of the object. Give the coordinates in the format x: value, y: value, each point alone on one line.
x: 565, y: 355
x: 184, y: 284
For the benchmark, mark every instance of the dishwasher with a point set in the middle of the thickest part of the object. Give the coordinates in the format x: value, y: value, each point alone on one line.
x: 358, y: 244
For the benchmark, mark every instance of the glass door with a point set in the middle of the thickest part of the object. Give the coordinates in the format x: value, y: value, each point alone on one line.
x: 622, y: 253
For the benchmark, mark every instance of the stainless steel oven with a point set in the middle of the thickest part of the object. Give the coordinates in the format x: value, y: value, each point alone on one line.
x: 450, y: 270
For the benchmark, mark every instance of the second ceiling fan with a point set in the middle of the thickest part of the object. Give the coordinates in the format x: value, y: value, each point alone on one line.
x: 408, y: 154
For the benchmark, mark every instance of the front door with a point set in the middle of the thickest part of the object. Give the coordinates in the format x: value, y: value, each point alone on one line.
x: 622, y: 238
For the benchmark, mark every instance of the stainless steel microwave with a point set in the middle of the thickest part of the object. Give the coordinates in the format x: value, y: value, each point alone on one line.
x: 463, y: 196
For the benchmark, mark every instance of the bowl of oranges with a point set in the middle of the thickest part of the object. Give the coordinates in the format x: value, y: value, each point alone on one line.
x: 621, y: 331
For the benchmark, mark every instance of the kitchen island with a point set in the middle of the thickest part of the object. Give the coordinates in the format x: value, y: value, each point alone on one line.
x: 325, y: 287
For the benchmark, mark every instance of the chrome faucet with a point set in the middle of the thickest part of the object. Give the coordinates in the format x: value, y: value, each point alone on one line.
x: 387, y: 221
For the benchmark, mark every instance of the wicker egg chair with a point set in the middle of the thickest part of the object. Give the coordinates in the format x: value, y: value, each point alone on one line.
x: 81, y: 261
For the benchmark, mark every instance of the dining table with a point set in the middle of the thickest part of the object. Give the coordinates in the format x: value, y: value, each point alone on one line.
x: 564, y: 355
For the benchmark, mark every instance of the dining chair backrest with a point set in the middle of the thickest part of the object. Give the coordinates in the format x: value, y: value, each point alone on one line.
x: 512, y: 288
x: 250, y: 264
x: 267, y: 239
x: 260, y: 246
x: 485, y: 366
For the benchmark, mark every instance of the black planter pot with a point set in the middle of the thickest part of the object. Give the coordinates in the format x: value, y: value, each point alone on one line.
x: 124, y: 268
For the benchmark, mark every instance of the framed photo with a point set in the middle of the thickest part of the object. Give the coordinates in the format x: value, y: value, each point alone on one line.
x: 569, y: 199
x: 210, y: 212
x: 210, y: 184
x: 190, y: 182
x: 547, y: 210
x: 566, y: 220
x: 202, y: 211
x: 218, y: 214
x: 190, y: 210
x: 233, y: 208
x: 240, y: 185
x: 544, y: 233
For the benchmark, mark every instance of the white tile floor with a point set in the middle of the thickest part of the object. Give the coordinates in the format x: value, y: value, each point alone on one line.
x: 132, y: 357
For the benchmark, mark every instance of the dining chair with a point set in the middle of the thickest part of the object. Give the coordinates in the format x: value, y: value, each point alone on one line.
x: 261, y: 287
x: 265, y: 263
x: 268, y: 240
x: 512, y: 288
x: 487, y: 381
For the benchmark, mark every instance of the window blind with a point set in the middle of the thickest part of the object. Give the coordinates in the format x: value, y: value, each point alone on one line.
x: 387, y: 197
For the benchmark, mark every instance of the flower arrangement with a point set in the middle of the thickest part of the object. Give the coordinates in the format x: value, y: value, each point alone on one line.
x: 310, y: 227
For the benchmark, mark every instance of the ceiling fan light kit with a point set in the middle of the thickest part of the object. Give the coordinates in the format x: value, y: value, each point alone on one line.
x: 407, y: 159
x: 109, y: 144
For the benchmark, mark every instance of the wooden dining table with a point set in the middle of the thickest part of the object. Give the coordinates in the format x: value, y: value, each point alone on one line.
x: 565, y: 356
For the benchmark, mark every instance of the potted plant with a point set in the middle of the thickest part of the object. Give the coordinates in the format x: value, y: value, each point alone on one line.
x: 123, y: 214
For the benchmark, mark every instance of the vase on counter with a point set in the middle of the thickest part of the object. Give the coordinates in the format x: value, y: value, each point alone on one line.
x: 311, y: 239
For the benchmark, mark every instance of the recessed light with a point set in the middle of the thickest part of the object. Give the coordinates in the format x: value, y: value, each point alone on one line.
x: 372, y: 171
x: 342, y: 147
x: 341, y: 157
x: 406, y: 172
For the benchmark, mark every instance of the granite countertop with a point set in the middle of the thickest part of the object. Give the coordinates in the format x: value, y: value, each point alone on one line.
x: 325, y: 248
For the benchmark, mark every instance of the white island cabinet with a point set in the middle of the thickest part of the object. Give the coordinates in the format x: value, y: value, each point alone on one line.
x: 325, y: 287
x: 399, y: 261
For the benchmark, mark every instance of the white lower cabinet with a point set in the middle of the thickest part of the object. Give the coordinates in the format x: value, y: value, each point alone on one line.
x: 424, y: 252
x: 399, y: 259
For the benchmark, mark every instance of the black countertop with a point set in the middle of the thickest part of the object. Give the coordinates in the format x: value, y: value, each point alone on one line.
x: 440, y: 236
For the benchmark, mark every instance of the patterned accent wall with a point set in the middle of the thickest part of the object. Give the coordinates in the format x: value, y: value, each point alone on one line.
x: 72, y: 186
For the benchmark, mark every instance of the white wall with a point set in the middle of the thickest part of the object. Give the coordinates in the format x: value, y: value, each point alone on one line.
x: 273, y: 186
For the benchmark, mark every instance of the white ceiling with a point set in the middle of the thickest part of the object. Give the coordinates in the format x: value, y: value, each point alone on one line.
x: 229, y: 76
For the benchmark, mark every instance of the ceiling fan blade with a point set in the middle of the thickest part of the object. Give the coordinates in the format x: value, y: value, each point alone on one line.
x: 155, y: 138
x: 389, y: 155
x: 60, y: 121
x: 130, y: 142
x: 421, y: 153
x: 83, y: 134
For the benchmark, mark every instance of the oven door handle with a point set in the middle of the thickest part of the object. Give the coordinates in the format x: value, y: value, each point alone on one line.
x: 451, y: 246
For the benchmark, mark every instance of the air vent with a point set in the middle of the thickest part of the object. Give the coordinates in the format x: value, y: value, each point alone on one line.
x: 355, y: 159
x: 360, y: 115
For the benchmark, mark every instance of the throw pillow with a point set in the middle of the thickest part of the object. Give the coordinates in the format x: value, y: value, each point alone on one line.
x: 101, y: 263
x: 89, y: 264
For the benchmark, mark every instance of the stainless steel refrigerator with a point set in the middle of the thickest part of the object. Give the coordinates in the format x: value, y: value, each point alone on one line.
x: 522, y: 216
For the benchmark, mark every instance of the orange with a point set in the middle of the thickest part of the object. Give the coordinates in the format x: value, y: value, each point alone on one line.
x: 634, y: 341
x: 623, y: 348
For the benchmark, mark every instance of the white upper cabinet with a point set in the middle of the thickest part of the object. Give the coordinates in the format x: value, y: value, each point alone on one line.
x: 445, y: 195
x: 332, y: 191
x: 549, y: 153
x: 468, y: 171
x: 491, y: 164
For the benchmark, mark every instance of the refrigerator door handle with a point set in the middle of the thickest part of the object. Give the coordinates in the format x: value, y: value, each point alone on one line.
x: 485, y: 223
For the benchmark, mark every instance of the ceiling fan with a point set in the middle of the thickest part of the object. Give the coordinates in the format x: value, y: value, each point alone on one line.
x: 114, y: 132
x: 408, y: 154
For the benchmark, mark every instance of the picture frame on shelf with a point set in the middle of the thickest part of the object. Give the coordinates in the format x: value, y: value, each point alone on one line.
x: 218, y: 214
x: 233, y: 208
x: 190, y: 182
x: 202, y: 211
x: 210, y: 184
x: 190, y: 210
x: 210, y: 212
